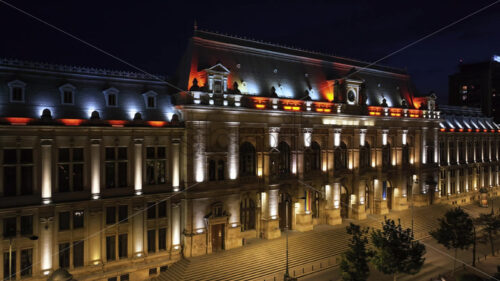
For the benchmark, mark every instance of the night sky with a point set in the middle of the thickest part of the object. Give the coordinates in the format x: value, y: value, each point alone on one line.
x: 153, y: 34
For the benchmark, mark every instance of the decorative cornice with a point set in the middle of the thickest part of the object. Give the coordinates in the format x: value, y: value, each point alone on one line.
x: 77, y: 69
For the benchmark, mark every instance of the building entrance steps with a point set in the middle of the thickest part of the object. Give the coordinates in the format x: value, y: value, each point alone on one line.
x: 261, y: 259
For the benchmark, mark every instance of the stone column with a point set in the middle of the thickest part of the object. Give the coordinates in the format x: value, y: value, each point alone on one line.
x: 46, y: 155
x: 448, y: 182
x: 380, y: 202
x: 199, y: 138
x: 233, y: 149
x: 176, y: 227
x: 175, y: 164
x: 138, y: 166
x: 95, y: 168
x: 436, y: 145
x: 270, y: 219
x: 332, y: 208
x: 423, y: 148
x: 94, y: 241
x: 457, y: 180
x: 46, y: 230
x: 138, y: 231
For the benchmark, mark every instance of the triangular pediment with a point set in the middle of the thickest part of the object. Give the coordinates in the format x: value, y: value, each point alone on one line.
x: 218, y: 68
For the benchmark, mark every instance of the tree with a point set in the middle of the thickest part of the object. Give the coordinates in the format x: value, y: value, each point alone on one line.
x: 455, y: 231
x: 354, y: 263
x: 396, y: 251
x: 490, y: 224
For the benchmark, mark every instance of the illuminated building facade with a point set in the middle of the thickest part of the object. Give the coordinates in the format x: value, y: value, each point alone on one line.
x: 477, y: 85
x: 264, y: 138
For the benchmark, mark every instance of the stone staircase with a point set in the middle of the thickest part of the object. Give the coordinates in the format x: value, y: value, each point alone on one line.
x: 265, y: 259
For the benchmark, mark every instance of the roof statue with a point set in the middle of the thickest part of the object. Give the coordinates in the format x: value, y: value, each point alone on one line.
x: 60, y: 274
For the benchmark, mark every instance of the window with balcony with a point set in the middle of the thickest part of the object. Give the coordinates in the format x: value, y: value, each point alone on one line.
x: 365, y: 156
x: 386, y: 156
x: 312, y: 158
x: 341, y: 156
x: 284, y: 158
x: 443, y: 155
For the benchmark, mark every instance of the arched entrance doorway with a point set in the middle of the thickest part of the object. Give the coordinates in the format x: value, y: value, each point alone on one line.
x: 344, y: 202
x: 285, y: 211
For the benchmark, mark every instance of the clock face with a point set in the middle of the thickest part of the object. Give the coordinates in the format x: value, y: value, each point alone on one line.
x: 351, y: 96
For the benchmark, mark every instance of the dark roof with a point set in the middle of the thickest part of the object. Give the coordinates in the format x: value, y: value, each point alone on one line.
x: 257, y: 67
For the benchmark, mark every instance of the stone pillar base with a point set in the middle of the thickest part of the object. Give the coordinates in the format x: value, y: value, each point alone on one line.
x: 381, y: 207
x: 333, y: 216
x: 233, y: 239
x: 400, y: 203
x: 420, y: 200
x: 270, y: 229
x: 195, y: 245
x: 358, y: 212
x: 303, y: 222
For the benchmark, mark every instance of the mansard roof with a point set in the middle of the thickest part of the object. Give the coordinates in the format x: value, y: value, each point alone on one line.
x: 257, y: 67
x: 466, y: 119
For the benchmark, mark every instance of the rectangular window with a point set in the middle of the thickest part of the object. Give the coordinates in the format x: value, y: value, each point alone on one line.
x: 151, y: 210
x: 110, y: 215
x: 70, y: 169
x: 151, y: 102
x: 12, y: 272
x: 26, y: 225
x: 153, y: 271
x: 162, y: 239
x: 68, y: 97
x: 9, y: 227
x: 64, y: 255
x: 63, y: 220
x: 26, y: 262
x: 78, y: 217
x: 110, y: 248
x: 78, y: 253
x: 113, y: 279
x: 151, y: 241
x: 111, y: 100
x: 124, y: 277
x: 162, y: 209
x: 18, y: 172
x: 123, y: 246
x: 163, y: 268
x: 17, y: 94
x: 156, y: 165
x: 116, y: 167
x: 123, y: 213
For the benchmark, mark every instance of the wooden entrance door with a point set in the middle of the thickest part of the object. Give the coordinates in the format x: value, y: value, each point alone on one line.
x: 217, y: 237
x: 285, y: 211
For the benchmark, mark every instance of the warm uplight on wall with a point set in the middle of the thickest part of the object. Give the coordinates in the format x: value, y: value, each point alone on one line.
x: 384, y: 137
x: 404, y: 137
x: 336, y: 138
x: 259, y: 172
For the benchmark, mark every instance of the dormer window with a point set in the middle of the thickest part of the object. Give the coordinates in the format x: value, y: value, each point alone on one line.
x: 67, y: 94
x: 17, y: 90
x: 217, y: 78
x: 150, y: 99
x: 353, y: 88
x: 111, y: 97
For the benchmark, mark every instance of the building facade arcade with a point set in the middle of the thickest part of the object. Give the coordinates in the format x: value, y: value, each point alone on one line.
x: 115, y: 175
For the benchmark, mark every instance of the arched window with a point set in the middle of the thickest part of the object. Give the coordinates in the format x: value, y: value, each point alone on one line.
x: 478, y: 151
x: 284, y: 158
x: 486, y: 150
x: 386, y: 156
x: 340, y: 156
x: 211, y: 170
x: 247, y: 214
x: 247, y: 159
x: 461, y: 152
x: 429, y: 153
x: 443, y: 157
x: 406, y: 154
x: 312, y: 158
x: 220, y: 170
x: 364, y: 156
x: 470, y: 151
x: 453, y: 152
